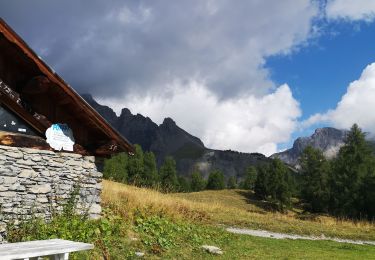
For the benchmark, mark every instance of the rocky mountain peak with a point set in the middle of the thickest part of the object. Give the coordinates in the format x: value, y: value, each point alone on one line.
x: 125, y: 112
x: 327, y: 139
x: 104, y: 111
x: 168, y: 123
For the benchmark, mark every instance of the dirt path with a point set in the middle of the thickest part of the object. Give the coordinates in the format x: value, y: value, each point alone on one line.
x: 268, y: 234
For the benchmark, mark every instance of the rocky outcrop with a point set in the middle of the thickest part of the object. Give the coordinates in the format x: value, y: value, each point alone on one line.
x: 168, y: 139
x: 327, y: 139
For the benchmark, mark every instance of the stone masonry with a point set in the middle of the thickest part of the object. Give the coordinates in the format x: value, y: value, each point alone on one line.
x: 39, y: 183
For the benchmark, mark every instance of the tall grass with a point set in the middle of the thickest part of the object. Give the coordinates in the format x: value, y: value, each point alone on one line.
x: 228, y: 207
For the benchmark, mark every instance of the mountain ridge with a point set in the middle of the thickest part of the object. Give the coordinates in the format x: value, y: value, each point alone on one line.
x: 327, y: 139
x: 168, y: 139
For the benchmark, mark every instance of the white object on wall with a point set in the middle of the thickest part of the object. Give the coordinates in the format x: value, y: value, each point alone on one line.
x: 60, y: 137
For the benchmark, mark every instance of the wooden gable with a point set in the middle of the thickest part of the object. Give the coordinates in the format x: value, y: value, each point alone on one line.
x: 37, y: 97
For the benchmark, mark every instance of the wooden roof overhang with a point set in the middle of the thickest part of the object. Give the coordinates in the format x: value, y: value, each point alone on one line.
x: 32, y: 90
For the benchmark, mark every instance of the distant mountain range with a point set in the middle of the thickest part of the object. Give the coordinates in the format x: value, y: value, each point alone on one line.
x: 168, y: 139
x: 329, y: 140
x: 190, y: 153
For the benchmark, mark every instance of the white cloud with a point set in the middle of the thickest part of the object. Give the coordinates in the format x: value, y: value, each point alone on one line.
x: 148, y: 51
x: 247, y: 124
x: 351, y: 9
x: 113, y: 49
x: 356, y: 106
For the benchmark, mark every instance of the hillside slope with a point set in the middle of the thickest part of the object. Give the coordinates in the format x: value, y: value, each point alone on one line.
x: 232, y: 208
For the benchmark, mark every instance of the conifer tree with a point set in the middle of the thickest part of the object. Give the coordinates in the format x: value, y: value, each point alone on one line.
x: 250, y: 178
x: 261, y: 187
x: 279, y: 184
x: 115, y: 168
x: 352, y: 166
x: 368, y: 196
x: 232, y: 183
x: 315, y: 185
x: 136, y: 166
x: 168, y: 175
x: 183, y: 184
x: 216, y: 180
x: 150, y: 173
x: 273, y: 183
x: 197, y: 181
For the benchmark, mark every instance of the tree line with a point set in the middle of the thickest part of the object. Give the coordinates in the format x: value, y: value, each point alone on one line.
x: 141, y: 170
x: 343, y: 186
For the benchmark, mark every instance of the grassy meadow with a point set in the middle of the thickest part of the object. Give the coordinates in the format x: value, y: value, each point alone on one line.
x: 200, y: 218
x: 175, y: 226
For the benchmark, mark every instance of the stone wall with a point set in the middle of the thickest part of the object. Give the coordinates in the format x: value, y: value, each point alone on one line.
x: 36, y: 182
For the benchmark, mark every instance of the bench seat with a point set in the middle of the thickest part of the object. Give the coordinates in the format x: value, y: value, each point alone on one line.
x: 56, y: 248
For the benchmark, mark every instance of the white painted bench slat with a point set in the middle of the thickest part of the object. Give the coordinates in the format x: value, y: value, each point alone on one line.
x: 25, y: 250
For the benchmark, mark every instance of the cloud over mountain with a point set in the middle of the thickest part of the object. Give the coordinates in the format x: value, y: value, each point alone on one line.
x: 356, y: 105
x: 201, y: 62
x: 246, y: 124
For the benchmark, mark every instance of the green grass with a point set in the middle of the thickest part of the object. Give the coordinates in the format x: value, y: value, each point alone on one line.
x: 175, y: 226
x: 241, y: 208
x: 183, y: 215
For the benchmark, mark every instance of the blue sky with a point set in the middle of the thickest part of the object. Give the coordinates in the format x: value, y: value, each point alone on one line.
x: 250, y: 76
x: 320, y: 72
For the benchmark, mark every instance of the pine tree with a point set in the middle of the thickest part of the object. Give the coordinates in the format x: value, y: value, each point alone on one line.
x: 250, y: 178
x: 261, y: 187
x: 216, y: 180
x: 352, y: 165
x: 368, y: 195
x: 197, y: 181
x: 115, y: 168
x: 232, y: 183
x: 279, y: 184
x: 150, y: 173
x: 315, y: 171
x: 183, y: 184
x: 136, y: 166
x: 168, y: 175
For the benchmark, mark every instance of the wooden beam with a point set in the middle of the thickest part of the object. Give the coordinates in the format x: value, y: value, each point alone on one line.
x: 107, y: 149
x: 34, y: 142
x: 12, y: 100
x: 21, y: 140
x: 37, y: 85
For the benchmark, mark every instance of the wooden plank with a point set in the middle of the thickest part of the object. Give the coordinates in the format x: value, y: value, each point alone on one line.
x: 37, y: 248
x: 21, y: 140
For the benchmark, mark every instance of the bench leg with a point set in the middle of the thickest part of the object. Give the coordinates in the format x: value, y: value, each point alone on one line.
x: 64, y: 256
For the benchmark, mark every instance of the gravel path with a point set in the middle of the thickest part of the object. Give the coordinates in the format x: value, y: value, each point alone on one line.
x: 268, y: 234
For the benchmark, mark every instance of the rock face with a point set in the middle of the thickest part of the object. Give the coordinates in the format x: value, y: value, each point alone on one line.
x: 169, y: 139
x: 327, y: 139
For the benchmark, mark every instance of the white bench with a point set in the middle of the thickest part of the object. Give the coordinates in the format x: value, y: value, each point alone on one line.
x: 56, y: 249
